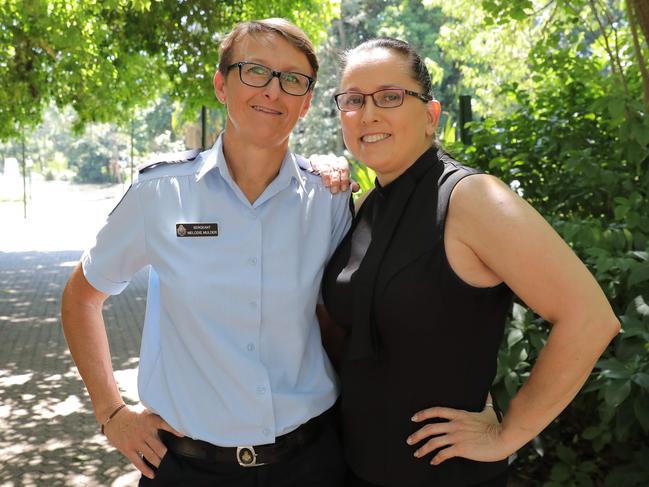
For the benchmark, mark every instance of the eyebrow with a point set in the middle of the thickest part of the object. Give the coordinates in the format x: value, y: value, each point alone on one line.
x: 291, y: 69
x: 381, y: 87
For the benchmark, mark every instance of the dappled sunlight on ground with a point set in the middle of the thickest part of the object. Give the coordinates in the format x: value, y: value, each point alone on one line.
x: 48, y: 432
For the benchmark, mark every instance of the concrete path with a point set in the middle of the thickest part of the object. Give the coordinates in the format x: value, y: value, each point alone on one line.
x: 48, y: 433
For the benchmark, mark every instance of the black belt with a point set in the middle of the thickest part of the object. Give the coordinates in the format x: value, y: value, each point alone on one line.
x: 247, y: 455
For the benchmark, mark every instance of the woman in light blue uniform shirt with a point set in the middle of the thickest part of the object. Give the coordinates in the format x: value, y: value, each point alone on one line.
x: 232, y: 371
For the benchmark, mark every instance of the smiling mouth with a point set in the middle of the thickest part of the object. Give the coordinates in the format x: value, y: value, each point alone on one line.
x: 370, y: 139
x: 261, y: 109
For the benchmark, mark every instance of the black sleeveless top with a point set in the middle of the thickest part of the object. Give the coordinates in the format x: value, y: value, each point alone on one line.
x: 418, y: 335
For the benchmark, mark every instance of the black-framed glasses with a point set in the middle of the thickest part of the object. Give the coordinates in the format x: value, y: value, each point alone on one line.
x: 351, y: 101
x: 258, y: 76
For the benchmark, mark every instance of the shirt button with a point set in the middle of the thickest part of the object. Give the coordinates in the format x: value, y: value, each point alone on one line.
x: 252, y: 260
x: 253, y: 215
x: 253, y: 304
x: 261, y: 390
x: 251, y: 347
x: 266, y: 431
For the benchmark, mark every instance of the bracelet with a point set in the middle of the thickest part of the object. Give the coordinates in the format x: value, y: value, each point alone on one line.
x: 113, y: 414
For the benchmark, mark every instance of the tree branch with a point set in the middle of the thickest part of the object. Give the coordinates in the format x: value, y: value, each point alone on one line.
x: 638, y: 52
x: 616, y: 66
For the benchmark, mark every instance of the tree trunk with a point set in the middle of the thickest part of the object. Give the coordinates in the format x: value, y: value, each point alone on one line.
x: 641, y: 8
x: 633, y: 23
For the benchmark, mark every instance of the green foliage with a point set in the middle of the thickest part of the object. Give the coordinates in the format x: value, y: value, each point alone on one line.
x: 91, y: 156
x: 56, y: 152
x: 105, y: 59
x: 363, y: 175
x: 75, y: 53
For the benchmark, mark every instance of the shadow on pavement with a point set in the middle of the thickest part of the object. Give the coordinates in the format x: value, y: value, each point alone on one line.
x: 48, y: 433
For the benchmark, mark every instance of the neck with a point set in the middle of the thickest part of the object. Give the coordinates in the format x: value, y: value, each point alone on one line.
x: 252, y: 167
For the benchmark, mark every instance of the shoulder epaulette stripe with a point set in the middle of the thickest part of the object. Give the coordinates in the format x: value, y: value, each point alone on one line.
x: 168, y: 158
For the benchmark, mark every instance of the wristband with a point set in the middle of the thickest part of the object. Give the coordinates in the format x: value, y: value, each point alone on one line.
x: 113, y: 414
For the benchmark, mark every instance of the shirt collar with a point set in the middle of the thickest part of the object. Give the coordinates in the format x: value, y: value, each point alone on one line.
x: 214, y: 158
x: 211, y: 159
x: 414, y: 172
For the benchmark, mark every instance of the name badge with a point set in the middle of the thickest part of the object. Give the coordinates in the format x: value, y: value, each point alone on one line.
x: 197, y: 230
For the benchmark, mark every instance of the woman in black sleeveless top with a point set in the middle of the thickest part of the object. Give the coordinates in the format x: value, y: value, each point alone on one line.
x: 422, y: 285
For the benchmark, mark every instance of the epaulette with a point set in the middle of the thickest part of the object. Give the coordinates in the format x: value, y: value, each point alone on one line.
x: 305, y: 165
x: 168, y: 158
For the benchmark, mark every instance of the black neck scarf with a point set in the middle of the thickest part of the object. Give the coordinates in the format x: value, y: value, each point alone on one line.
x: 377, y: 222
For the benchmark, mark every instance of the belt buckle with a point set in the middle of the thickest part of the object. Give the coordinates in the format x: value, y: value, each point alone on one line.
x: 247, y: 456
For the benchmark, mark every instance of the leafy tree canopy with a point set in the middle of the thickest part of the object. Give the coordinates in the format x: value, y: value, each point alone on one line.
x: 104, y: 58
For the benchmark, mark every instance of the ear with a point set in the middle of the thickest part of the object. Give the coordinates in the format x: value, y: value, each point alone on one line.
x: 433, y: 109
x: 219, y: 87
x: 306, y: 104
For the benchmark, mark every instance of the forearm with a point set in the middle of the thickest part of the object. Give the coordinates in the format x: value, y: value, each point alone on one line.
x: 84, y: 330
x: 559, y: 373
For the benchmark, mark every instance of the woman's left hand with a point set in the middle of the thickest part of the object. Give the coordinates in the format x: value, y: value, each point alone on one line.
x: 475, y: 436
x: 334, y: 171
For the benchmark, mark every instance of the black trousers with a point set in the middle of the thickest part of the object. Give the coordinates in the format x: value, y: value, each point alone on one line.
x: 320, y: 464
x: 499, y: 481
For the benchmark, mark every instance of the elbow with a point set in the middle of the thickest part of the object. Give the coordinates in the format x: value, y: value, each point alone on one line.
x: 79, y: 297
x: 614, y: 327
x: 609, y: 327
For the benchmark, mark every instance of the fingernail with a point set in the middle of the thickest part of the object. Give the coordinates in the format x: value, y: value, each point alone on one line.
x: 416, y: 454
x: 409, y: 441
x: 414, y: 418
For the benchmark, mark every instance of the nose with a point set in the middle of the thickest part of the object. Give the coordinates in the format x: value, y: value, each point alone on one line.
x: 272, y: 90
x: 370, y: 112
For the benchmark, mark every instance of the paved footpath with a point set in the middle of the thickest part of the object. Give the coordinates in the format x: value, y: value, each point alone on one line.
x: 48, y: 433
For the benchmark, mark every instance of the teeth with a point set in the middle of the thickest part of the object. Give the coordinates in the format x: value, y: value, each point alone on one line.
x: 266, y: 110
x: 374, y: 137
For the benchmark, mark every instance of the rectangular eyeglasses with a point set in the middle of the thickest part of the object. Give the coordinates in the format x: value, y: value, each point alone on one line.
x: 351, y: 101
x: 258, y: 76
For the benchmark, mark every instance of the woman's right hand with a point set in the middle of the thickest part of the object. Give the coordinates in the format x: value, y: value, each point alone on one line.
x: 134, y: 432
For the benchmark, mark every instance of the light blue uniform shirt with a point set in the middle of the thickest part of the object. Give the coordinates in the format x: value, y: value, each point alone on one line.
x: 231, y: 351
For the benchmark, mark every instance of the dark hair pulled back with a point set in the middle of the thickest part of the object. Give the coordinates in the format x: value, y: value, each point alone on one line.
x: 418, y: 70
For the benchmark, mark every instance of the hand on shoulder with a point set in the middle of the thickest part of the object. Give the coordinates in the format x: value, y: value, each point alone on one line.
x: 334, y: 171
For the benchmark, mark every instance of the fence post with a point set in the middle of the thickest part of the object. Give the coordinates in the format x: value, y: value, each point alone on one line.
x: 203, y: 127
x: 466, y: 115
x: 24, y: 167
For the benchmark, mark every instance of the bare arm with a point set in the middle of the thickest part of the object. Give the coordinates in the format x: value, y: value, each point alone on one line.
x: 132, y: 430
x: 511, y: 241
x: 83, y: 326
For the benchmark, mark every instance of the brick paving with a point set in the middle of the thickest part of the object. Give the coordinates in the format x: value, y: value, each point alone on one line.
x: 48, y: 434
